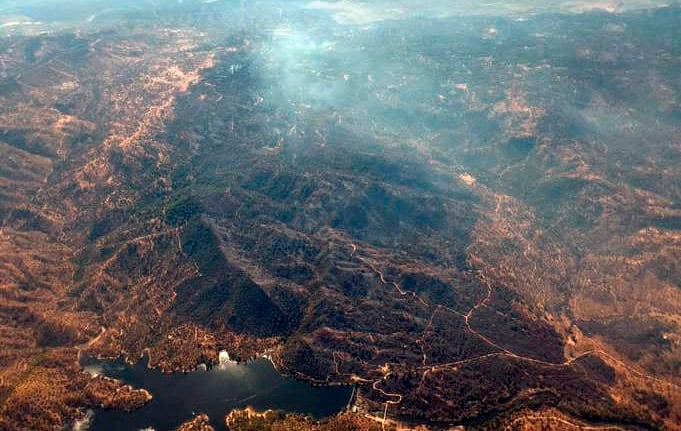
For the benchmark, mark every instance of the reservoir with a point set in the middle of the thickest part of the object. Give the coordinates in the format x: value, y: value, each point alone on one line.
x: 178, y: 397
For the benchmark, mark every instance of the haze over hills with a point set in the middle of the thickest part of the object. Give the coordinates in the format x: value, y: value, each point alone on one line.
x: 468, y: 211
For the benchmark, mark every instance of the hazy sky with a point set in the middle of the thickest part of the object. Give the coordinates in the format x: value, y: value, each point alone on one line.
x: 344, y: 11
x: 366, y: 12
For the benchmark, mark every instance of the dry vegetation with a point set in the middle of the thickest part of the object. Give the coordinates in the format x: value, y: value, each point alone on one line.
x: 152, y: 203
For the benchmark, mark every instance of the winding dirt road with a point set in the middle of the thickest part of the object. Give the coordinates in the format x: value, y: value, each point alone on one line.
x: 501, y: 351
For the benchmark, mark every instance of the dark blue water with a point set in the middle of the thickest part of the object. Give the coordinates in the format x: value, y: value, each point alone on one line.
x: 177, y: 397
